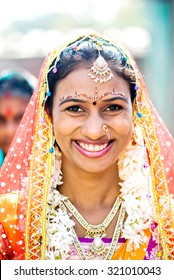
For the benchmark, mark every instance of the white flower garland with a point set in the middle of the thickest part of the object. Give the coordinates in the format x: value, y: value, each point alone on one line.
x: 135, y: 189
x: 59, y: 227
x: 134, y: 172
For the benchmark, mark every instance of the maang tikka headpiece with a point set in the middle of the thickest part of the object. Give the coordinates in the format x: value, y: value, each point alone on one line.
x: 100, y: 72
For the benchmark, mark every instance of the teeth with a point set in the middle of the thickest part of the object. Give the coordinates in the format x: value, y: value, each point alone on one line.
x: 91, y: 147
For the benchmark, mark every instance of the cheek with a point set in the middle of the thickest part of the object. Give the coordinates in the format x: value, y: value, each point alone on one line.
x: 62, y: 126
x: 1, y: 133
x: 123, y: 128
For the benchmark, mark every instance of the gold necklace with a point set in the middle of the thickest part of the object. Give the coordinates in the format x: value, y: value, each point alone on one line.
x: 93, y: 231
x: 98, y: 249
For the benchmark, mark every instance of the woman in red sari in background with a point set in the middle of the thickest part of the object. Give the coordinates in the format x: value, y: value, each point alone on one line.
x: 90, y: 171
x: 16, y: 88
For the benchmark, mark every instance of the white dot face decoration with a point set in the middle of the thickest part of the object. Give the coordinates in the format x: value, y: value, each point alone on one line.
x: 93, y: 98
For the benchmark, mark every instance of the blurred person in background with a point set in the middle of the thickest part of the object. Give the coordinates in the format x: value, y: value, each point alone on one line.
x: 16, y: 88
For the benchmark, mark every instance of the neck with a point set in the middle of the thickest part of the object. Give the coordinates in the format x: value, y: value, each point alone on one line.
x: 89, y: 189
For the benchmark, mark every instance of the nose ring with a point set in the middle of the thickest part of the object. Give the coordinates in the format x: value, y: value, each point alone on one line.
x: 106, y: 130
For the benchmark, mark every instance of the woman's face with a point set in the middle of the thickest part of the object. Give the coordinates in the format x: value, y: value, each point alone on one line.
x: 80, y: 109
x: 12, y: 109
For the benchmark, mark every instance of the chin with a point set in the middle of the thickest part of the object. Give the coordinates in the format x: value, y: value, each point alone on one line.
x: 96, y: 168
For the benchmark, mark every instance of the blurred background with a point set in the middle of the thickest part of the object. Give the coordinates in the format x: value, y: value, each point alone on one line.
x: 31, y: 29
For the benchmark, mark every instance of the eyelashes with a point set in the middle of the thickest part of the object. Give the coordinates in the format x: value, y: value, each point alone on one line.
x: 74, y: 109
x: 109, y: 108
x: 114, y: 107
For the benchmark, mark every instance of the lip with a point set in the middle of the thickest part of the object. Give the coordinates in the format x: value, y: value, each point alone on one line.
x: 94, y: 154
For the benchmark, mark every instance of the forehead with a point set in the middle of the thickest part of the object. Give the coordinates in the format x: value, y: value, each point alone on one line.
x: 17, y: 104
x: 78, y: 81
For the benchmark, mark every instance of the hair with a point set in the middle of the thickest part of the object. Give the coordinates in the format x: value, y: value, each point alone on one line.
x: 82, y: 53
x: 16, y: 84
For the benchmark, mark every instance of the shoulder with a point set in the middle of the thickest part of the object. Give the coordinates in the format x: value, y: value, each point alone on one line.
x: 8, y: 211
x: 11, y: 197
x: 8, y: 205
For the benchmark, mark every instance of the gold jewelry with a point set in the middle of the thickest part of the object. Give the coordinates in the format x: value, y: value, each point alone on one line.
x: 98, y: 249
x: 106, y: 130
x: 100, y: 72
x: 93, y: 231
x: 57, y: 173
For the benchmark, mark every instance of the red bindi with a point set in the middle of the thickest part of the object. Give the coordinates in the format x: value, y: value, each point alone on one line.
x: 9, y: 112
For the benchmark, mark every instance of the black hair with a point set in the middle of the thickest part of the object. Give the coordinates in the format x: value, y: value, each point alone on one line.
x: 83, y: 53
x: 15, y: 82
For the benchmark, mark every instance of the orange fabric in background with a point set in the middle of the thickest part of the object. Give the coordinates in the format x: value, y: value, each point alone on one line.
x: 139, y: 254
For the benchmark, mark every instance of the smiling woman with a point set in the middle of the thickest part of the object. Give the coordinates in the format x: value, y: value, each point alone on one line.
x: 93, y: 170
x: 80, y: 119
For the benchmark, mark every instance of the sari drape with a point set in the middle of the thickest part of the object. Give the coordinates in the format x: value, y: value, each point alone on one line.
x: 26, y: 173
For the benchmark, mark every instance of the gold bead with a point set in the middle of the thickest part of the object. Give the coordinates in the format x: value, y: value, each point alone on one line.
x: 159, y: 253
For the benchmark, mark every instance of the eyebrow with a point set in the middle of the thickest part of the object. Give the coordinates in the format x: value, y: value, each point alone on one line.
x: 2, y: 116
x: 71, y: 100
x: 117, y: 96
x: 125, y: 98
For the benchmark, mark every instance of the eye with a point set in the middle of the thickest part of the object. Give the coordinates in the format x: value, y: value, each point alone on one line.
x: 2, y: 120
x: 18, y: 118
x: 74, y: 109
x: 114, y: 107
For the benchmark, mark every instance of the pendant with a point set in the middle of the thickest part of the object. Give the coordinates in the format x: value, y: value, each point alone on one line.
x: 97, y: 249
x: 100, y: 72
x: 93, y: 231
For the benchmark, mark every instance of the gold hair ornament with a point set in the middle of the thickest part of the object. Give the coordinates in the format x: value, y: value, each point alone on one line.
x: 100, y: 72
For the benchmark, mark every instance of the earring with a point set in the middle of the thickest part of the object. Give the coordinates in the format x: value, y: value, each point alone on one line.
x: 138, y: 142
x: 57, y: 162
x: 135, y: 139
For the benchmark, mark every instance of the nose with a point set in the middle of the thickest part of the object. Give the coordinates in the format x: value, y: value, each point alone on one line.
x: 10, y: 129
x: 92, y: 127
